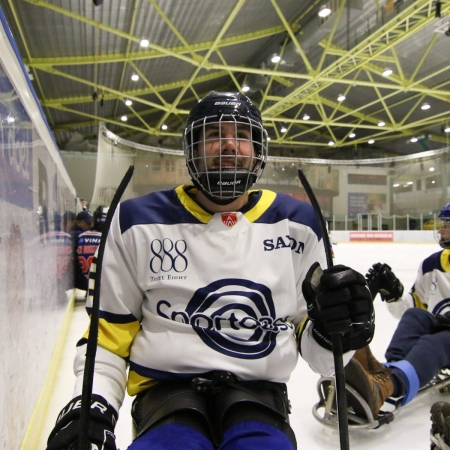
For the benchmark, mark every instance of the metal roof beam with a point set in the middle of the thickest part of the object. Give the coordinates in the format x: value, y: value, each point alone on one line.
x: 413, y: 18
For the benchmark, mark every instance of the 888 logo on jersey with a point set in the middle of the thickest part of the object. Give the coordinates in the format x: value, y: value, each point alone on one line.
x: 168, y: 255
x: 235, y: 317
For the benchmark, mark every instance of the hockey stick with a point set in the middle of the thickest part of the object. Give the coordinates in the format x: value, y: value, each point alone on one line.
x: 91, y: 348
x: 341, y: 398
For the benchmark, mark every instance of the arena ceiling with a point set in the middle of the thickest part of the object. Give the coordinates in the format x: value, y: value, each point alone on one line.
x: 81, y: 56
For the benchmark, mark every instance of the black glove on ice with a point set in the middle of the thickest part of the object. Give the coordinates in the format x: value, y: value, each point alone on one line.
x: 381, y: 279
x: 441, y: 322
x: 101, y: 425
x: 339, y: 301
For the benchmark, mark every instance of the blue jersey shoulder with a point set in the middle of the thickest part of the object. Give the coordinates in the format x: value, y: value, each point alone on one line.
x: 287, y: 207
x: 432, y: 262
x: 162, y: 207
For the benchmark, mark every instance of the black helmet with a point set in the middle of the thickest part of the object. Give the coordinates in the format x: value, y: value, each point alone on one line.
x: 444, y: 216
x: 223, y: 185
x: 100, y: 213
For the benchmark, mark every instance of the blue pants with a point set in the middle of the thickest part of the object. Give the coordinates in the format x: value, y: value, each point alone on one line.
x: 415, y: 342
x: 241, y: 436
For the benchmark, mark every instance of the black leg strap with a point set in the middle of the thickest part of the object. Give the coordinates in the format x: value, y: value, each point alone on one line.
x: 212, y: 404
x: 163, y: 400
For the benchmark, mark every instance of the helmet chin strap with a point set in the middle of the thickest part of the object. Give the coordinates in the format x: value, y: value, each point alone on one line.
x: 240, y: 183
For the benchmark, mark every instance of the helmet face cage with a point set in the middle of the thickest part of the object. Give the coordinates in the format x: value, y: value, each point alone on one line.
x: 442, y: 229
x: 225, y: 175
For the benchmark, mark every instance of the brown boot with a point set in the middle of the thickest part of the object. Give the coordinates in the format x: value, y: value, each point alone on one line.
x: 373, y: 386
x: 365, y: 357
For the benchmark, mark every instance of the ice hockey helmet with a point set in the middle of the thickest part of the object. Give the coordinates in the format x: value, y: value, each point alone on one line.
x: 444, y: 216
x: 222, y: 186
x: 100, y: 213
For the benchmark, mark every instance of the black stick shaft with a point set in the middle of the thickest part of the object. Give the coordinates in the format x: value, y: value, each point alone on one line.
x: 341, y: 398
x: 91, y: 350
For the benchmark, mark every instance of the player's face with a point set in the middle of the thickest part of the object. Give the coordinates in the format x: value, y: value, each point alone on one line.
x: 225, y: 146
x: 444, y: 230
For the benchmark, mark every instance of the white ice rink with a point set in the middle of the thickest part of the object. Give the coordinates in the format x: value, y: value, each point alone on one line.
x: 409, y: 430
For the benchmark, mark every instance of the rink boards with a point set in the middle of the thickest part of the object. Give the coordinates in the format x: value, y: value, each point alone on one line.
x: 35, y: 255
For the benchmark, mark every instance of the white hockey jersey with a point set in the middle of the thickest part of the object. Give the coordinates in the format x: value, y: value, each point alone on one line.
x: 185, y: 292
x: 431, y: 289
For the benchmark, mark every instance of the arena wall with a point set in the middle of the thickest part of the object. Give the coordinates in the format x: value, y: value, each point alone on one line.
x: 35, y: 253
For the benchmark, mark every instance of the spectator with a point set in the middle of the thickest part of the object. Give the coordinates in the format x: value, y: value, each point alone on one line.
x: 84, y: 204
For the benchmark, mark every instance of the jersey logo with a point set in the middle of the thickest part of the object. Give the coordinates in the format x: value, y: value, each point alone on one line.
x: 234, y: 317
x: 229, y: 219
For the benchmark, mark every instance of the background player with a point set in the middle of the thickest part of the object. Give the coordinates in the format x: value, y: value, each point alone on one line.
x: 420, y: 346
x: 202, y: 299
x: 87, y: 244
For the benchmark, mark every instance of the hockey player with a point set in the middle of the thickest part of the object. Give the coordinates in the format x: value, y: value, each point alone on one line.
x: 87, y: 244
x: 420, y: 346
x: 201, y: 300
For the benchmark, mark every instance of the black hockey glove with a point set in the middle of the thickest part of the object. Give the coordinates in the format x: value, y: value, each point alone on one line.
x: 101, y: 425
x: 339, y: 301
x: 382, y: 280
x: 441, y: 322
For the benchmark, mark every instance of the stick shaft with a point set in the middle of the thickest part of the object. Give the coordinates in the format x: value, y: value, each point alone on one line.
x: 91, y: 348
x: 341, y: 398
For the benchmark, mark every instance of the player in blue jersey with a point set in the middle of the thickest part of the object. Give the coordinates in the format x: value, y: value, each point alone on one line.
x: 420, y: 346
x: 87, y: 244
x: 204, y: 298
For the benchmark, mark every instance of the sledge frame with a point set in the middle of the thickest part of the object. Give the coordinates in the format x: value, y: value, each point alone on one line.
x: 325, y: 410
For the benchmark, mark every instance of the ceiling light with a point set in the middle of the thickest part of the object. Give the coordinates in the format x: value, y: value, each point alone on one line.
x: 268, y: 138
x: 128, y: 102
x: 135, y: 77
x: 324, y: 11
x: 306, y: 117
x: 341, y: 98
x: 163, y: 126
x: 431, y: 169
x: 371, y: 141
x: 381, y: 124
x: 351, y: 135
x: 425, y: 106
x: 245, y: 88
x: 144, y: 42
x: 331, y: 143
x: 124, y: 118
x: 283, y: 129
x: 396, y: 185
x: 387, y: 72
x: 447, y: 129
x: 276, y: 58
x: 414, y: 139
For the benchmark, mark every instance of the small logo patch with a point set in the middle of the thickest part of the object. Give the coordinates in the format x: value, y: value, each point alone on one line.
x: 229, y: 219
